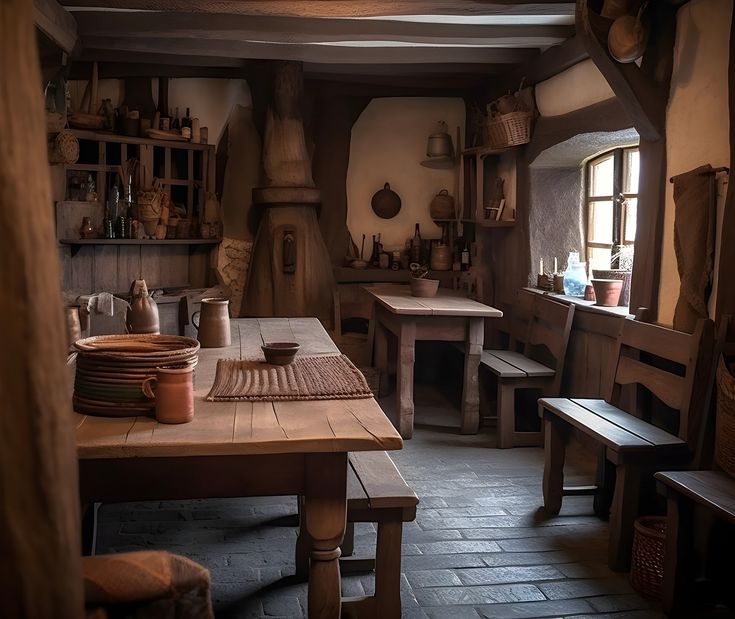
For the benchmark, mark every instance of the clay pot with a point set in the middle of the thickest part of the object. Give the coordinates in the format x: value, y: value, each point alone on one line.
x: 77, y: 324
x: 424, y: 287
x: 173, y: 391
x: 441, y: 258
x: 213, y: 325
x: 442, y: 206
x: 386, y: 203
x: 607, y: 291
x: 142, y: 315
x: 160, y: 232
x: 440, y: 145
x: 624, y: 276
x: 280, y: 353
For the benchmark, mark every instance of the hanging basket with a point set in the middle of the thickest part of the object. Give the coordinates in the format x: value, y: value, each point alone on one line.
x: 511, y: 129
x: 725, y: 431
x: 647, y: 563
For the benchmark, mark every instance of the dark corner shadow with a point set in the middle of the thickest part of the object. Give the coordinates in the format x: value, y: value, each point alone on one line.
x: 235, y: 607
x: 541, y: 515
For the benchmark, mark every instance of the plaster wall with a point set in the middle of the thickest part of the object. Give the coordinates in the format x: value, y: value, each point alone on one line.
x: 210, y: 100
x: 572, y: 89
x: 388, y: 144
x: 555, y: 218
x: 696, y: 121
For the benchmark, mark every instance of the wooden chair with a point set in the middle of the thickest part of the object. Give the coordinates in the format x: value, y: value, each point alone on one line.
x: 535, y: 360
x: 634, y: 445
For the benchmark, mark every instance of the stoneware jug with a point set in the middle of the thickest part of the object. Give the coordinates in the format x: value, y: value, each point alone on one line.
x: 173, y: 391
x: 143, y: 313
x: 77, y: 324
x: 213, y: 323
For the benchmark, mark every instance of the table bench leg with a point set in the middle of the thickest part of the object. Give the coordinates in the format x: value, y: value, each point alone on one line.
x: 325, y: 517
x: 380, y: 353
x: 554, y: 455
x: 677, y: 554
x: 506, y: 406
x: 388, y: 569
x: 622, y: 514
x: 471, y: 389
x: 404, y: 379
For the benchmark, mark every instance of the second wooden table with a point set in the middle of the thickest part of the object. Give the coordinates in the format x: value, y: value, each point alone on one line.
x: 445, y: 318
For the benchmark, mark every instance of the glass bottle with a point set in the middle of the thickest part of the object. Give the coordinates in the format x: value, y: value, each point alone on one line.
x: 575, y: 276
x: 186, y: 120
x: 176, y: 124
x: 465, y: 259
x: 416, y: 245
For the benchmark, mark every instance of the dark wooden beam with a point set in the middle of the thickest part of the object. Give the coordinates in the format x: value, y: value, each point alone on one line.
x: 331, y: 54
x: 311, y: 30
x: 120, y: 70
x: 56, y: 23
x: 407, y: 69
x: 399, y: 88
x: 112, y: 56
x: 340, y: 8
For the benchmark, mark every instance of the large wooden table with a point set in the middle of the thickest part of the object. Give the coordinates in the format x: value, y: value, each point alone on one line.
x: 234, y: 449
x: 445, y: 317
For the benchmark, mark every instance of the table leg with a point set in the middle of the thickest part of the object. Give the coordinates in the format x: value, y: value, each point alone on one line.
x: 404, y: 379
x: 325, y: 518
x: 471, y: 391
x: 380, y: 352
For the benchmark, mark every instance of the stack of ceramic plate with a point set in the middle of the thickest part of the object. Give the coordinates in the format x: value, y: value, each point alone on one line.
x: 110, y: 370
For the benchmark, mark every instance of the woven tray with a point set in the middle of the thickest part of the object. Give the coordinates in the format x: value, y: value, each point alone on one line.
x: 307, y: 378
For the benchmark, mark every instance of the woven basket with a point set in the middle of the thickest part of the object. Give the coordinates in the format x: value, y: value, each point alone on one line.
x: 725, y: 432
x: 509, y: 129
x: 647, y: 563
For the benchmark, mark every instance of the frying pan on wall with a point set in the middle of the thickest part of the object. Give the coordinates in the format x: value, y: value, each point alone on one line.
x: 386, y: 203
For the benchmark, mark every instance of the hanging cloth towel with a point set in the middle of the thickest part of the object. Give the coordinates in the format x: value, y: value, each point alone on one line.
x: 102, y: 303
x: 694, y: 244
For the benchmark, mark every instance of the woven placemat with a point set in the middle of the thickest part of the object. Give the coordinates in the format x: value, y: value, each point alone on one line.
x: 331, y: 377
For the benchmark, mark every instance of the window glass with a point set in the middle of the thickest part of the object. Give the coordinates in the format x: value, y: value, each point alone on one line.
x: 600, y: 227
x: 602, y: 174
x: 631, y: 169
x: 599, y: 258
x: 630, y: 211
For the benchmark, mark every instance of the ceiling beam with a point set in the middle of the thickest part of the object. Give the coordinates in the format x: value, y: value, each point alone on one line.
x: 433, y: 69
x: 56, y: 23
x: 119, y: 70
x: 340, y: 8
x: 331, y: 54
x: 311, y: 30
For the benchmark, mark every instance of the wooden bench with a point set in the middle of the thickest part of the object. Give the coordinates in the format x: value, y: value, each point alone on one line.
x: 631, y: 442
x: 715, y: 492
x: 376, y: 492
x: 542, y: 339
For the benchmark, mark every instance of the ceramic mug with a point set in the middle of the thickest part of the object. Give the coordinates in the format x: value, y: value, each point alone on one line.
x: 173, y: 391
x: 213, y: 326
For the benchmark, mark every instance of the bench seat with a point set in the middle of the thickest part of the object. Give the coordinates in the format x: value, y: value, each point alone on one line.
x: 511, y: 364
x: 715, y: 490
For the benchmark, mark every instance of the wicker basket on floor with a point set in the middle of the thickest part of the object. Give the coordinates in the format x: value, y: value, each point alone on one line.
x: 509, y: 129
x: 725, y: 432
x: 647, y: 563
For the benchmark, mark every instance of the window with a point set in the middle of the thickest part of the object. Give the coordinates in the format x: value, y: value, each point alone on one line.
x: 612, y: 203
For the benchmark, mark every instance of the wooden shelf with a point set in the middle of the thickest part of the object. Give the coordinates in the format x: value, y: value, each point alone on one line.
x: 82, y: 134
x: 76, y: 244
x: 485, y: 223
x: 483, y: 151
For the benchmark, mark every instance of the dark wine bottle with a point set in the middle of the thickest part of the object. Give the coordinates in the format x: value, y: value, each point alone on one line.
x: 176, y: 123
x: 416, y: 245
x: 186, y: 120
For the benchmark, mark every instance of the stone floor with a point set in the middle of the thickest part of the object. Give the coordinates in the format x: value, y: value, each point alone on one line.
x: 480, y: 545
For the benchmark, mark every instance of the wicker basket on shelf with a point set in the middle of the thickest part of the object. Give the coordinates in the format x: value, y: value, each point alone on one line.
x: 647, y: 563
x: 725, y: 432
x: 510, y: 129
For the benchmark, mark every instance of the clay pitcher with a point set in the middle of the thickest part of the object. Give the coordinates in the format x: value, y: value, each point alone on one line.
x: 213, y: 324
x: 77, y: 324
x: 143, y: 313
x: 173, y: 391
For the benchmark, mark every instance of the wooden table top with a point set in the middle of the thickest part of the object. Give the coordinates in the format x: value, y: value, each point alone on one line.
x: 244, y: 428
x: 398, y: 300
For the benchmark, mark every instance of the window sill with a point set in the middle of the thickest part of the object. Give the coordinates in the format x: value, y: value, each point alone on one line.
x: 588, y: 305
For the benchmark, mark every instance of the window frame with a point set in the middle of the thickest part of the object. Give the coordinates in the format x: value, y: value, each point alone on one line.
x: 618, y: 199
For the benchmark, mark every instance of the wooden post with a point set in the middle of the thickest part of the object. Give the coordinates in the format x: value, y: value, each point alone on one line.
x: 39, y: 521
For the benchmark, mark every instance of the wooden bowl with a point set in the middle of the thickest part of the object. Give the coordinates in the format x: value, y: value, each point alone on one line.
x: 422, y: 287
x: 359, y: 264
x: 280, y: 353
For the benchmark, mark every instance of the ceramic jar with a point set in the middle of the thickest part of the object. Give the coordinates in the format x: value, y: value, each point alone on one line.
x: 143, y: 312
x: 213, y: 323
x: 575, y: 278
x: 86, y: 230
x: 441, y: 258
x: 173, y: 391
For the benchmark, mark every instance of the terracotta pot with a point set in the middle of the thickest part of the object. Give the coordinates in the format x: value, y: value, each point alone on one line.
x: 442, y: 206
x: 607, y: 291
x: 441, y: 258
x: 173, y: 391
x: 424, y: 287
x: 624, y: 276
x: 213, y: 325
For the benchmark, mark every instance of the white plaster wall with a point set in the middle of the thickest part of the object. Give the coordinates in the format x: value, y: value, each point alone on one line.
x: 210, y: 100
x: 572, y: 89
x: 388, y: 144
x: 696, y: 121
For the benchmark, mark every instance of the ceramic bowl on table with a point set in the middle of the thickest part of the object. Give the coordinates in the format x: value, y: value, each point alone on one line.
x: 280, y: 353
x: 422, y: 287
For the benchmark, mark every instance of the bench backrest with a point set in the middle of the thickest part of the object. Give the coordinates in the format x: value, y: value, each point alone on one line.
x: 547, y: 334
x: 673, y: 366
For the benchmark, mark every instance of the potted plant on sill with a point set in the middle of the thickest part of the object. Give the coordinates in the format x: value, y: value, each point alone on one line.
x: 624, y: 259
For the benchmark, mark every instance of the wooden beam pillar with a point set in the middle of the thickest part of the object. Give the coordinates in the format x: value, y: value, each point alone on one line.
x: 40, y: 569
